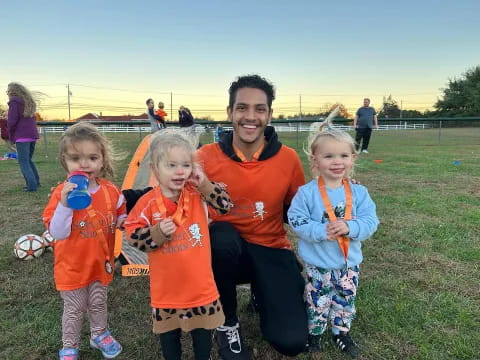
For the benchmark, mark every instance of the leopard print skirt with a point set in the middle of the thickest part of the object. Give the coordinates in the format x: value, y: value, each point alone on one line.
x: 209, y: 316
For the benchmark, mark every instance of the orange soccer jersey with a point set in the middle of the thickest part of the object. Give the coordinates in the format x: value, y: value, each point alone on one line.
x: 180, y: 270
x: 259, y: 191
x: 85, y: 257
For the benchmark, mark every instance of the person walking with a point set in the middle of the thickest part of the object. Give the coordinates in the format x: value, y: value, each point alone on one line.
x: 365, y: 120
x: 22, y: 131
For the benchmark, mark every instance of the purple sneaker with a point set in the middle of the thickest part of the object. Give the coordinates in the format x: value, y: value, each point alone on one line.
x: 107, y: 344
x: 68, y: 354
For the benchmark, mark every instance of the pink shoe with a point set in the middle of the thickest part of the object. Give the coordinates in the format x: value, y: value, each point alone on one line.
x: 107, y: 344
x: 68, y: 354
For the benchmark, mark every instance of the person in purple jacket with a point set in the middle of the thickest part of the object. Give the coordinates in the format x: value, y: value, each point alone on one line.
x: 22, y: 130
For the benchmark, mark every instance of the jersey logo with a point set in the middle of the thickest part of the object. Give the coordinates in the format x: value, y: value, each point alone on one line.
x: 196, y: 236
x: 259, y: 210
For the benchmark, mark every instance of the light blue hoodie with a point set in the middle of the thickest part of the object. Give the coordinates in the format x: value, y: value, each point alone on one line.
x: 308, y: 218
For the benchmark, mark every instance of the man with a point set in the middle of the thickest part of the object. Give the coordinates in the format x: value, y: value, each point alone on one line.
x: 156, y: 122
x: 365, y: 119
x: 250, y: 245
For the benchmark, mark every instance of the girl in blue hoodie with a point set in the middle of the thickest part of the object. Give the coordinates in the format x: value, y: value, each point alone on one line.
x: 332, y: 217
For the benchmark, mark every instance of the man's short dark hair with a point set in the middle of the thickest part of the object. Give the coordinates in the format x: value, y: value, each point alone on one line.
x: 251, y: 81
x: 148, y: 100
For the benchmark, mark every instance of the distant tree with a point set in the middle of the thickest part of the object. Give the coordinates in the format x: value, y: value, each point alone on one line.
x: 461, y: 97
x: 412, y: 114
x: 389, y: 109
x: 343, y: 114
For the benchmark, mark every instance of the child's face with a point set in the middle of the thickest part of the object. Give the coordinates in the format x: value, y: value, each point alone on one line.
x: 172, y: 172
x: 333, y: 160
x: 84, y: 156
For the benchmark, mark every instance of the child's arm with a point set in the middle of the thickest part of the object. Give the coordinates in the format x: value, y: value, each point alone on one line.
x: 57, y: 216
x: 366, y: 221
x: 142, y: 234
x: 301, y: 219
x: 214, y: 193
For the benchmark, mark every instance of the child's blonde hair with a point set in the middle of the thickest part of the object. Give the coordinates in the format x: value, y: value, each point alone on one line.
x: 163, y: 141
x: 326, y: 132
x: 84, y: 131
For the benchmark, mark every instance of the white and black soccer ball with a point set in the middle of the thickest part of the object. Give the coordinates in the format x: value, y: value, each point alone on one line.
x: 28, y: 247
x: 48, y: 240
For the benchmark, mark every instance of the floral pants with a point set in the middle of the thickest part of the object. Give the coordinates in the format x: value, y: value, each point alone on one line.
x: 330, y: 295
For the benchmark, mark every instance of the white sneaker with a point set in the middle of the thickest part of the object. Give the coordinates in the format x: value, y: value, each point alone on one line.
x: 365, y: 151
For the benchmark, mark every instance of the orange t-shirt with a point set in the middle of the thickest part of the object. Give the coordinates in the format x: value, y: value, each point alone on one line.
x: 259, y: 191
x: 85, y: 257
x: 180, y: 270
x: 161, y: 113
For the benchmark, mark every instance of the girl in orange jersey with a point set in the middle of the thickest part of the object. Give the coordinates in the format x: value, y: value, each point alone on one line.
x: 170, y: 223
x: 85, y: 240
x: 332, y: 217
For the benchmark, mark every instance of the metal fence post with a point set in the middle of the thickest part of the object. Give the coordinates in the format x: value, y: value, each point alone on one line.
x: 439, y: 131
x: 44, y: 131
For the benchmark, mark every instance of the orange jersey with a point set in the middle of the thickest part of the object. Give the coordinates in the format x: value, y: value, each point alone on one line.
x: 259, y: 191
x: 161, y: 113
x: 85, y: 256
x: 180, y: 270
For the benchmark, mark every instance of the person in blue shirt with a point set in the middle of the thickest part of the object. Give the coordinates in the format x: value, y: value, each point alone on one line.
x: 365, y: 120
x: 332, y: 217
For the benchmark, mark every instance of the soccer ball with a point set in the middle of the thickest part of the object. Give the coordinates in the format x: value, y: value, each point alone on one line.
x: 28, y: 247
x: 48, y: 240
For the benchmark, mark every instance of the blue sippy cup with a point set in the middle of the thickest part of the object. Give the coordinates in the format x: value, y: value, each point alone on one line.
x: 79, y: 198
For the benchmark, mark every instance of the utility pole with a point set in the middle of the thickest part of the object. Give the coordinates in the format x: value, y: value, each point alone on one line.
x: 171, y: 106
x: 300, y: 106
x: 68, y: 97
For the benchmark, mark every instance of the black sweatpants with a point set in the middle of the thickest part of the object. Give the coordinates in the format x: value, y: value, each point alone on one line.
x: 365, y: 134
x: 172, y: 348
x: 276, y: 282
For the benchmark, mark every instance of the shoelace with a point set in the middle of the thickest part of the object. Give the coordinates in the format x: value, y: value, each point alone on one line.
x: 233, y: 336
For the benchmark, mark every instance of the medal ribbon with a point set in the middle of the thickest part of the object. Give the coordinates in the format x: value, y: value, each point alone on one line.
x: 183, y: 205
x: 343, y: 241
x: 93, y: 215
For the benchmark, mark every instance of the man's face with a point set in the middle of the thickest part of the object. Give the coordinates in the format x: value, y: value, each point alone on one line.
x: 150, y: 104
x: 366, y: 102
x: 249, y: 115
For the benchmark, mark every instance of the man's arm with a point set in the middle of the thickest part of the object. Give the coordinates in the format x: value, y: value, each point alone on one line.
x: 375, y: 121
x: 355, y: 119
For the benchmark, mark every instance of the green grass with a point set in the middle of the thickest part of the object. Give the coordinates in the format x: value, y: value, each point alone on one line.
x: 419, y: 293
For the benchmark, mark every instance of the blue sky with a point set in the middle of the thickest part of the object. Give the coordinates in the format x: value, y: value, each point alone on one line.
x: 115, y: 54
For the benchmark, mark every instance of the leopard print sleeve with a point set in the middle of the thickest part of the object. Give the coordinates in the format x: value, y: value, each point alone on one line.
x: 148, y: 239
x: 216, y: 196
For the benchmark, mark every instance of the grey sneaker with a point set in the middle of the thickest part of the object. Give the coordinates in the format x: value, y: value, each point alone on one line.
x: 230, y: 345
x: 365, y: 151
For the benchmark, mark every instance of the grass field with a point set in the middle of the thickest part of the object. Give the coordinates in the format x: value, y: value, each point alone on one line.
x: 419, y: 292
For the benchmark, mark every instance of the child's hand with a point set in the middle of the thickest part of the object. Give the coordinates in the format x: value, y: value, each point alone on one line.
x: 337, y: 228
x: 120, y: 223
x: 197, y: 176
x: 168, y: 227
x: 67, y: 187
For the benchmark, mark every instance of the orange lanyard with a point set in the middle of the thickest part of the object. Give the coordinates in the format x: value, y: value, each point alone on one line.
x: 343, y: 241
x: 93, y: 216
x: 180, y: 213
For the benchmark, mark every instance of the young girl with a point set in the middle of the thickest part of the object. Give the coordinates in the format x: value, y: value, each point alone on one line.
x: 85, y: 240
x: 170, y: 223
x: 332, y: 217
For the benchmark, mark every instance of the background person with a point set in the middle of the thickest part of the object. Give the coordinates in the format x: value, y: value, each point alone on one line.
x: 156, y: 122
x: 186, y: 121
x: 22, y: 131
x: 365, y: 120
x: 162, y: 114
